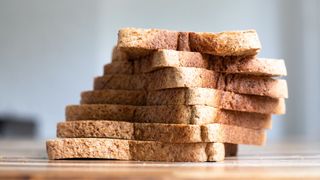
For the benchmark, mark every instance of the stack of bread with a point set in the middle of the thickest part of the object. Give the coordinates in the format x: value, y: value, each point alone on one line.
x: 175, y: 96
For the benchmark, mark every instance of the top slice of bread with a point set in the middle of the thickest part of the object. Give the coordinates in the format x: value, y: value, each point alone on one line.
x: 139, y: 42
x: 233, y: 43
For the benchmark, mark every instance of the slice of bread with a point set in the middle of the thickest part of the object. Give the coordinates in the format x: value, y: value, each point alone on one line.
x: 121, y: 82
x: 195, y: 77
x: 249, y: 65
x: 118, y: 55
x: 103, y: 148
x: 233, y: 43
x: 218, y: 99
x: 119, y: 67
x: 113, y: 96
x: 139, y: 42
x: 121, y: 64
x: 187, y: 96
x: 169, y: 133
x: 168, y: 114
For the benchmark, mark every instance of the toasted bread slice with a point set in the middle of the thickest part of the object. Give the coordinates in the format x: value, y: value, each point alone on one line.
x: 169, y: 133
x: 167, y: 114
x: 140, y: 42
x: 233, y: 43
x: 171, y: 58
x: 113, y: 96
x: 187, y: 96
x: 218, y: 99
x: 167, y: 78
x: 103, y: 148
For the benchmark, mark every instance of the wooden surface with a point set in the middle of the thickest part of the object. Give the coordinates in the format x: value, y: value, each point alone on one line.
x: 27, y: 159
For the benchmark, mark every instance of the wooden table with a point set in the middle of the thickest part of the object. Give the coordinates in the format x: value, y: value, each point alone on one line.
x: 27, y: 159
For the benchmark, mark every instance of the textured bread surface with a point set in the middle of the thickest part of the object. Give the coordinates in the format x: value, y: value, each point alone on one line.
x: 167, y: 78
x: 176, y: 97
x: 170, y: 133
x: 139, y: 42
x: 249, y: 65
x: 233, y: 43
x: 103, y: 148
x: 112, y: 96
x: 187, y: 96
x: 218, y: 99
x: 170, y: 58
x: 168, y: 114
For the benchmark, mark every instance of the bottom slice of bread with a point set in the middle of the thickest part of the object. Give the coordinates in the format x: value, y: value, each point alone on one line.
x: 103, y: 148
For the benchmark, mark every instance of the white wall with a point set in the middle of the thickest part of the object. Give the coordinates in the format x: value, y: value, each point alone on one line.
x: 48, y: 53
x: 51, y: 50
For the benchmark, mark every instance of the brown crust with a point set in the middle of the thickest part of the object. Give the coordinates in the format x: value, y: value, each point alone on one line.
x: 118, y: 68
x: 111, y: 96
x: 122, y: 82
x: 233, y: 43
x: 247, y: 120
x: 245, y: 84
x: 95, y: 112
x: 103, y: 148
x: 250, y: 65
x: 139, y: 42
x: 167, y: 114
x: 183, y: 41
x: 118, y: 55
x: 218, y: 99
x: 195, y: 77
x: 187, y: 96
x: 170, y: 58
x: 169, y: 133
x: 237, y: 134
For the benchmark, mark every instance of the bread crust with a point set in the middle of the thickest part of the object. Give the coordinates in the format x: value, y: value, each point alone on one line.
x: 167, y: 114
x: 170, y: 58
x: 168, y: 133
x: 233, y: 43
x: 140, y: 42
x: 187, y: 96
x: 172, y: 77
x: 103, y: 148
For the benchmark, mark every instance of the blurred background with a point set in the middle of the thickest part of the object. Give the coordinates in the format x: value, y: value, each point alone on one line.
x: 50, y: 51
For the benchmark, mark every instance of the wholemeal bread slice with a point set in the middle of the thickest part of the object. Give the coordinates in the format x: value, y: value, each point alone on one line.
x: 103, y: 148
x: 113, y: 96
x: 139, y: 42
x: 167, y: 114
x: 170, y: 133
x: 171, y: 58
x: 119, y: 67
x: 119, y: 56
x: 187, y: 96
x: 249, y: 65
x: 195, y: 77
x: 233, y: 43
x: 218, y: 99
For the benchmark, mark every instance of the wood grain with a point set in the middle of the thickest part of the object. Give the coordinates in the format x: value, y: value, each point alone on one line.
x: 28, y: 160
